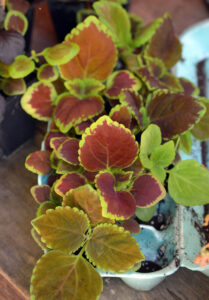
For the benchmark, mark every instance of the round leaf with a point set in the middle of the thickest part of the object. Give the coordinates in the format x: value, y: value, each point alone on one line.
x: 21, y: 67
x: 111, y: 248
x: 16, y: 21
x: 62, y: 228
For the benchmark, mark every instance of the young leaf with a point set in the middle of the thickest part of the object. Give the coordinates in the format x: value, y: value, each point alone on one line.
x: 120, y: 80
x: 98, y: 54
x: 49, y: 136
x: 188, y: 183
x: 71, y: 110
x: 60, y: 53
x: 62, y: 228
x: 111, y: 248
x: 201, y: 130
x: 83, y: 88
x: 43, y: 207
x: 136, y: 25
x: 38, y: 162
x: 61, y: 276
x: 145, y: 33
x: 21, y: 67
x: 145, y: 214
x: 117, y: 205
x: 67, y: 182
x: 156, y: 66
x: 147, y: 190
x: 121, y: 114
x: 117, y: 21
x: 87, y: 199
x: 38, y: 100
x: 68, y: 151
x: 163, y: 155
x: 47, y: 73
x: 174, y: 113
x: 164, y: 44
x: 40, y: 193
x: 12, y: 87
x: 134, y: 102
x: 107, y: 144
x: 186, y: 142
x: 150, y: 139
x: 16, y: 21
x: 158, y: 172
x: 56, y: 142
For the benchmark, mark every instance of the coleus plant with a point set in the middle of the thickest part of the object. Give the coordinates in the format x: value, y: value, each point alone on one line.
x: 110, y: 153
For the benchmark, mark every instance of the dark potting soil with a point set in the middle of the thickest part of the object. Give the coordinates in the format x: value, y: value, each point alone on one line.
x: 148, y: 266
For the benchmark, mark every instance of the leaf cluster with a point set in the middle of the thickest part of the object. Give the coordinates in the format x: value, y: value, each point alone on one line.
x: 118, y: 117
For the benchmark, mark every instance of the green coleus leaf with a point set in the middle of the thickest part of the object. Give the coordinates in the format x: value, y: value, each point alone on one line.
x: 38, y: 162
x: 159, y: 172
x: 40, y: 193
x: 145, y: 214
x: 71, y: 110
x: 120, y: 80
x: 178, y: 115
x: 164, y: 44
x: 163, y: 155
x: 61, y: 276
x: 98, y: 56
x: 201, y: 130
x: 12, y: 87
x: 186, y: 142
x: 4, y: 70
x: 84, y: 88
x: 87, y: 199
x: 21, y: 67
x: 38, y: 100
x: 119, y: 147
x: 47, y: 73
x: 145, y: 33
x: 60, y: 53
x: 117, y: 21
x: 150, y: 139
x: 188, y: 183
x: 15, y: 20
x: 63, y: 228
x: 136, y: 24
x: 37, y: 239
x: 111, y: 248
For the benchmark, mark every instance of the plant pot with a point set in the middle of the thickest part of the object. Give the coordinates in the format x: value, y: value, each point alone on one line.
x: 66, y: 11
x: 170, y: 247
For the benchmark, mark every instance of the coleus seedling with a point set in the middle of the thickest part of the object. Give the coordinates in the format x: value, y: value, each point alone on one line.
x: 111, y: 150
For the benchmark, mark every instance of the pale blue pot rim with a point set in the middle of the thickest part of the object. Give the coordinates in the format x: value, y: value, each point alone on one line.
x: 182, y: 228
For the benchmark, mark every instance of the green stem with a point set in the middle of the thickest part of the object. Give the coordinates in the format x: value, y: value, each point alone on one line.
x: 177, y: 144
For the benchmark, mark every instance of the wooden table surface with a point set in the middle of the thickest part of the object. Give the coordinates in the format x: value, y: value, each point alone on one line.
x: 18, y: 251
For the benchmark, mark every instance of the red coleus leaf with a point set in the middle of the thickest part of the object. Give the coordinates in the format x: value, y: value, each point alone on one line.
x: 90, y: 176
x: 67, y: 182
x: 71, y: 110
x: 40, y: 193
x: 118, y: 205
x: 174, y: 113
x: 148, y: 79
x: 97, y: 55
x: 12, y: 87
x: 16, y: 21
x: 164, y: 44
x: 57, y: 141
x: 81, y: 127
x: 189, y: 88
x: 122, y: 115
x: 47, y: 73
x: 68, y: 151
x: 50, y: 135
x: 147, y: 190
x: 52, y: 178
x: 38, y: 162
x: 107, y: 144
x: 38, y: 100
x: 136, y: 168
x: 131, y: 225
x: 120, y: 80
x: 134, y: 101
x: 20, y: 5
